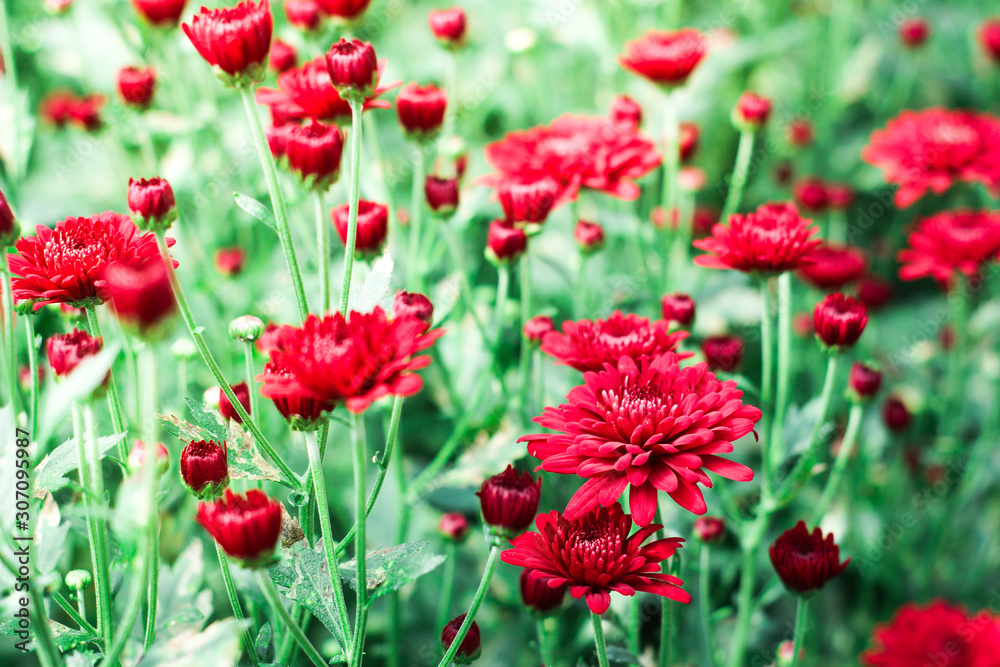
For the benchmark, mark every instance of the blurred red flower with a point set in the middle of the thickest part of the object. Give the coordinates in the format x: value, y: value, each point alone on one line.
x: 588, y: 345
x: 950, y: 241
x: 834, y: 266
x: 665, y: 58
x: 916, y: 636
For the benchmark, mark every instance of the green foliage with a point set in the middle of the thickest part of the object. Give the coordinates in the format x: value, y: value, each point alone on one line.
x: 50, y: 475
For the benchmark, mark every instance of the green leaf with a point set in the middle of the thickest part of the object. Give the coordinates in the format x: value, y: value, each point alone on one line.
x: 304, y: 576
x: 256, y: 209
x: 75, y: 387
x: 217, y: 645
x: 50, y: 474
x: 50, y: 538
x: 263, y: 642
x: 207, y: 418
x: 389, y: 570
x: 183, y: 605
x: 245, y: 461
x: 375, y: 291
x: 622, y: 655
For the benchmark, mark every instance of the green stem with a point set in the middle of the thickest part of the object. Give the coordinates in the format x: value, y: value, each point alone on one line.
x: 503, y: 286
x: 9, y: 337
x: 741, y: 634
x: 360, y: 544
x: 323, y: 505
x: 635, y: 625
x: 213, y: 366
x: 671, y: 168
x: 784, y: 365
x: 839, y: 465
x: 766, y: 380
x: 92, y: 481
x: 666, y: 656
x: 524, y: 360
x: 153, y: 575
x: 254, y: 395
x: 705, y: 600
x: 234, y: 601
x: 740, y: 174
x: 451, y: 111
x: 76, y: 614
x: 958, y: 302
x: 492, y: 562
x: 352, y: 211
x: 801, y: 619
x: 274, y: 599
x: 544, y: 646
x: 416, y: 220
x: 29, y: 323
x: 48, y: 654
x: 114, y: 402
x: 447, y: 583
x: 277, y: 198
x: 323, y: 248
x: 602, y: 649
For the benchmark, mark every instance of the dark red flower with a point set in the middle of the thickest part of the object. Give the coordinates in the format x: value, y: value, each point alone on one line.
x: 373, y: 225
x: 242, y: 392
x: 441, y: 194
x: 233, y: 40
x: 141, y: 295
x: 300, y: 409
x: 950, y: 241
x: 913, y: 32
x: 537, y: 595
x: 723, y: 353
x: 283, y: 56
x: 579, y: 152
x: 66, y: 264
x: 589, y: 236
x: 137, y: 457
x: 55, y: 107
x: 774, y: 239
x: 303, y: 14
x: 625, y: 111
x: 536, y: 328
x: 677, y: 308
x: 66, y: 351
x: 344, y: 11
x: 648, y: 427
x: 160, y: 12
x: 752, y: 111
x: 509, y: 501
x: 470, y: 648
x: 594, y: 555
x: 710, y: 529
x: 896, y: 414
x: 939, y: 634
x: 839, y: 320
x: 834, y: 266
x: 448, y: 26
x: 136, y: 85
x: 85, y: 112
x: 353, y: 68
x: 314, y: 152
x: 588, y: 345
x: 9, y: 227
x: 152, y: 202
x: 989, y: 38
x: 204, y: 468
x: 246, y: 527
x: 230, y: 261
x: 454, y: 526
x: 505, y: 243
x: 800, y: 133
x: 934, y: 148
x: 810, y: 194
x: 527, y: 200
x: 688, y: 140
x: 352, y: 361
x: 864, y: 381
x: 665, y: 58
x: 421, y: 110
x: 806, y: 561
x: 839, y: 196
x: 415, y: 305
x: 874, y: 292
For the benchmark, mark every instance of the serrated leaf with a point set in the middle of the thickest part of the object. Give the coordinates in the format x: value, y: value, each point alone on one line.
x: 389, y: 570
x: 182, y: 604
x: 50, y: 474
x: 207, y: 418
x: 304, y: 576
x: 256, y: 209
x: 263, y: 641
x: 375, y: 291
x: 217, y: 645
x: 245, y: 461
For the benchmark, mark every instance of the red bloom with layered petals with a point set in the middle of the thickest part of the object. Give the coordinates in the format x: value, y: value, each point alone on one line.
x: 948, y: 242
x: 665, y: 58
x: 773, y: 239
x: 247, y: 527
x: 934, y: 148
x: 648, y: 427
x: 806, y: 561
x: 588, y: 345
x: 160, y: 12
x: 595, y: 556
x: 234, y: 40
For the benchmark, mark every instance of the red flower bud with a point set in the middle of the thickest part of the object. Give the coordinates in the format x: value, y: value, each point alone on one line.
x: 874, y: 292
x: 344, y: 11
x: 136, y: 85
x: 137, y: 457
x: 537, y: 595
x: 896, y: 414
x: 806, y: 561
x: 66, y: 351
x: 246, y: 527
x: 160, y: 12
x: 528, y: 200
x: 723, y: 353
x: 301, y: 410
x: 989, y: 38
x: 229, y: 261
x: 840, y: 196
x: 303, y: 14
x: 800, y: 133
x: 204, y: 468
x: 152, y: 203
x: 448, y: 26
x: 509, y: 502
x: 470, y: 649
x: 353, y: 69
x: 839, y: 321
x: 688, y: 139
x: 413, y: 304
x: 752, y: 111
x: 277, y: 139
x: 283, y: 56
x: 678, y: 308
x: 373, y: 224
x: 864, y: 381
x: 233, y: 40
x: 314, y: 152
x: 625, y: 111
x: 913, y: 32
x: 665, y: 58
x: 710, y: 529
x: 10, y: 230
x: 226, y: 409
x: 505, y: 243
x: 454, y: 526
x: 589, y: 236
x: 810, y: 194
x: 536, y: 328
x: 442, y: 195
x: 421, y: 110
x: 141, y: 296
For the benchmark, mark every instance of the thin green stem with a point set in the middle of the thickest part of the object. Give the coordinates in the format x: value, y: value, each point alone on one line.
x: 92, y: 479
x: 524, y: 360
x: 951, y: 418
x: 249, y: 648
x: 741, y: 172
x: 213, y: 366
x: 9, y: 337
x: 360, y: 543
x: 251, y: 373
x: 503, y: 286
x: 748, y: 571
x: 766, y: 379
x: 48, y: 654
x: 29, y: 323
x: 153, y: 576
x: 667, y: 622
x: 544, y: 645
x: 634, y: 638
x: 323, y: 249
x: 801, y: 620
x: 114, y: 402
x: 492, y: 562
x: 414, y: 266
x: 447, y: 583
x: 671, y: 169
x: 352, y: 202
x: 705, y: 600
x: 274, y: 599
x: 78, y: 615
x: 784, y: 366
x: 602, y: 649
x: 839, y: 465
x: 277, y: 198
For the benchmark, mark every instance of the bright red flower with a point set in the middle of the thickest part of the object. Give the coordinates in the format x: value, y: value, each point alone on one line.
x: 505, y: 243
x: 588, y: 345
x: 723, y: 353
x: 230, y: 261
x: 626, y: 111
x: 938, y: 634
x: 589, y: 236
x: 160, y: 12
x: 648, y: 426
x: 152, y: 202
x: 834, y: 266
x: 353, y: 68
x: 136, y: 85
x: 66, y: 351
x: 989, y: 38
x: 678, y: 308
x: 806, y: 561
x: 526, y: 199
x: 448, y: 26
x: 226, y: 409
x: 246, y: 527
x: 950, y: 241
x: 283, y: 56
x: 913, y: 32
x: 204, y: 468
x: 839, y: 320
x: 344, y: 10
x: 234, y: 40
x: 595, y: 556
x: 579, y: 152
x: 752, y: 111
x: 773, y: 239
x: 509, y: 501
x: 442, y: 195
x: 934, y: 148
x: 413, y: 304
x: 421, y: 110
x: 314, y: 153
x: 373, y: 225
x: 66, y: 264
x: 352, y: 361
x: 665, y: 58
x: 537, y: 595
x: 536, y: 328
x: 303, y: 14
x: 141, y: 295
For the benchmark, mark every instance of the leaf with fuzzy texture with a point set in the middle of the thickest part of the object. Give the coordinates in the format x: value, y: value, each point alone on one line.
x: 389, y: 570
x: 304, y: 576
x: 50, y: 475
x: 217, y: 645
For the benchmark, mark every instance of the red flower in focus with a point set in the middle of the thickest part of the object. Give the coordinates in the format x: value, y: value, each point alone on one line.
x: 246, y: 527
x: 648, y: 427
x: 373, y: 225
x: 226, y: 409
x: 353, y: 68
x: 314, y: 153
x: 579, y: 152
x: 421, y: 110
x: 626, y: 111
x: 839, y: 320
x: 665, y: 58
x: 723, y: 353
x: 66, y: 264
x: 355, y: 360
x: 950, y: 241
x: 806, y: 561
x: 934, y: 148
x: 989, y: 38
x: 834, y: 266
x: 595, y: 556
x: 160, y: 12
x: 448, y: 26
x: 940, y: 634
x: 204, y: 468
x: 66, y: 351
x: 141, y: 295
x: 152, y: 202
x: 300, y: 409
x: 913, y: 32
x: 774, y: 239
x: 234, y: 40
x: 810, y: 193
x: 344, y: 10
x: 588, y: 345
x: 470, y: 648
x: 136, y: 85
x: 509, y: 501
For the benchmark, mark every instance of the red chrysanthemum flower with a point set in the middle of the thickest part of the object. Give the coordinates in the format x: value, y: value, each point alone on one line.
x: 66, y: 351
x: 160, y: 12
x: 306, y: 92
x: 234, y: 40
x: 373, y: 225
x: 626, y: 111
x: 246, y: 527
x: 595, y: 556
x: 136, y: 85
x: 948, y: 242
x: 773, y: 239
x: 806, y: 561
x: 344, y: 10
x: 834, y: 266
x: 938, y: 634
x: 588, y: 345
x: 934, y: 148
x: 204, y: 468
x: 141, y: 296
x: 66, y: 264
x: 579, y: 152
x: 665, y: 58
x: 648, y: 426
x: 354, y: 361
x: 448, y: 26
x: 839, y: 320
